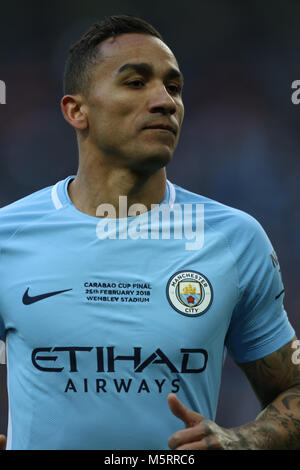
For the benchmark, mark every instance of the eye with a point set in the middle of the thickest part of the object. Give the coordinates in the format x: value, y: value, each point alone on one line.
x: 174, y: 89
x: 137, y: 83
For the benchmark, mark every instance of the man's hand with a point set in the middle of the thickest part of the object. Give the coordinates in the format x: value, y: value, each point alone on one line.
x: 200, y: 433
x: 276, y: 381
x: 2, y: 442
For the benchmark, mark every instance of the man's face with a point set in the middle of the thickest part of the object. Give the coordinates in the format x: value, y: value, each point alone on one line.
x: 134, y: 104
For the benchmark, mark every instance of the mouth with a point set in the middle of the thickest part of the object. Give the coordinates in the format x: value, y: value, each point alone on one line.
x: 163, y: 127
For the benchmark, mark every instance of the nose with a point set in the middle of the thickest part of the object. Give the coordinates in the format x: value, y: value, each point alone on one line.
x: 161, y: 101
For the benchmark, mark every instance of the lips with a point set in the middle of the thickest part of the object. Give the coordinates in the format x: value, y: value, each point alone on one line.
x: 166, y: 127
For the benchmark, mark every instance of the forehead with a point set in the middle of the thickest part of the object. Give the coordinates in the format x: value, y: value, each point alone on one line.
x: 114, y: 52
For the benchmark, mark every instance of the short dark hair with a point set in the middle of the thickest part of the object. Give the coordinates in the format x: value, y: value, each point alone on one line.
x: 84, y: 53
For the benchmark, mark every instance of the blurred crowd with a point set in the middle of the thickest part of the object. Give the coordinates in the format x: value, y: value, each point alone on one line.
x: 240, y: 138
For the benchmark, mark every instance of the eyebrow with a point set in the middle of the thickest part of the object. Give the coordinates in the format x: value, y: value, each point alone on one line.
x: 147, y: 69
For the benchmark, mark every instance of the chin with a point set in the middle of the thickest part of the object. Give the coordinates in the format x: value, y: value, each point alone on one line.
x: 151, y: 158
x: 152, y: 163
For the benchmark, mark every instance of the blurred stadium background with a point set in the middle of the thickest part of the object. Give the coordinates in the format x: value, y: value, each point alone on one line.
x: 240, y: 139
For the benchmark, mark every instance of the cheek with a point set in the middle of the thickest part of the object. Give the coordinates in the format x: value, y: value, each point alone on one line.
x: 113, y: 123
x: 112, y: 113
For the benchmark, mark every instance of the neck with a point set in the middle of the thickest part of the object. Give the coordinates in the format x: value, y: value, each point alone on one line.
x: 97, y: 184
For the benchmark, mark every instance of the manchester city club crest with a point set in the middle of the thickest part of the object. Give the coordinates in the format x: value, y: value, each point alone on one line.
x: 189, y: 293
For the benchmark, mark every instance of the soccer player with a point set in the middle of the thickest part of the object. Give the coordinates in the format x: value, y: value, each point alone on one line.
x: 120, y: 291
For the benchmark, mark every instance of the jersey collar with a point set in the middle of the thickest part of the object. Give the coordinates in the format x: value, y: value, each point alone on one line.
x: 60, y: 196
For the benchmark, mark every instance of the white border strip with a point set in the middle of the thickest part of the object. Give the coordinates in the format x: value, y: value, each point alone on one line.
x: 2, y: 352
x: 55, y: 199
x: 172, y: 194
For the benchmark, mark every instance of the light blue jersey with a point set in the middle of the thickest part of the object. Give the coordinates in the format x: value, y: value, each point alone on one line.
x: 102, y: 319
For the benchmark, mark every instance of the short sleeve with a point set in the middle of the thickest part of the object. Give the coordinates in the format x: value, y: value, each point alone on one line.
x: 259, y: 323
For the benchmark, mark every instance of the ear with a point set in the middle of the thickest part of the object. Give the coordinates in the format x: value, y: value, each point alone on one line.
x: 74, y: 111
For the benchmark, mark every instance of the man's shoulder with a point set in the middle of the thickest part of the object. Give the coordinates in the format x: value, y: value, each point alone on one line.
x: 216, y: 213
x: 242, y: 233
x: 34, y: 201
x: 238, y: 227
x: 25, y: 210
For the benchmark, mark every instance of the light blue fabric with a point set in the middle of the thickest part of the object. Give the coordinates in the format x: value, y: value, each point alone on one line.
x: 139, y: 316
